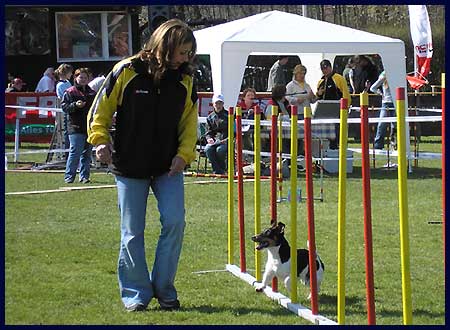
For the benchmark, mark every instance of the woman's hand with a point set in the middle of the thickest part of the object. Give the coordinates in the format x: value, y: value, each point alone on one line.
x: 103, y: 153
x: 300, y: 99
x: 80, y: 103
x: 178, y: 165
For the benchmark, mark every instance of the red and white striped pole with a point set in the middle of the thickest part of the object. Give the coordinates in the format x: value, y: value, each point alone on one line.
x: 240, y: 189
x: 370, y: 296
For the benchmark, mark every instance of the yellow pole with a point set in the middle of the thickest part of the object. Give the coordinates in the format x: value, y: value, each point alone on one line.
x: 257, y: 186
x: 230, y: 185
x: 294, y: 147
x: 403, y: 207
x: 343, y: 136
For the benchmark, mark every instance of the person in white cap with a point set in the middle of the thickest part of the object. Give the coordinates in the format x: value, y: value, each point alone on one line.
x: 217, y: 135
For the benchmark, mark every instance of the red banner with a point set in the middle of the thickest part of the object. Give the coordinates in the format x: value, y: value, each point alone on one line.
x: 34, y: 125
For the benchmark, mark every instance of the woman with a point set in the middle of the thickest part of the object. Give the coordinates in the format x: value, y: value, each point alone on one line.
x: 76, y: 103
x: 387, y: 109
x: 47, y: 82
x: 62, y: 74
x: 279, y: 100
x: 247, y: 105
x: 298, y: 92
x: 156, y: 132
x: 217, y: 136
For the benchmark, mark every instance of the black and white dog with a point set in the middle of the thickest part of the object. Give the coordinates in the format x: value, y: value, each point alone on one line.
x: 278, y: 261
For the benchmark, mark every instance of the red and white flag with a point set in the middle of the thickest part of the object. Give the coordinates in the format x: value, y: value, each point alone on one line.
x: 421, y: 36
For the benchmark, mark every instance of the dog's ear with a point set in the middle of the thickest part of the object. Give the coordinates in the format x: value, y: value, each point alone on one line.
x: 281, y: 227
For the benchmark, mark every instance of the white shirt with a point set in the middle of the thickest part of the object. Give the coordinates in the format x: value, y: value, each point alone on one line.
x: 46, y: 84
x: 96, y: 83
x: 302, y: 90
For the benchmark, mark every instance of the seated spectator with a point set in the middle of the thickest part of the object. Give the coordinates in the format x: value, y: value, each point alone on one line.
x: 15, y: 86
x: 247, y: 105
x: 279, y: 100
x: 217, y: 135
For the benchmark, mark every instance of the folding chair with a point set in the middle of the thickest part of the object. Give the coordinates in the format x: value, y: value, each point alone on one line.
x: 200, y: 147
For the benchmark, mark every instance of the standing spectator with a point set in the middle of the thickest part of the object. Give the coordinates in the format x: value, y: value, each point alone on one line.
x: 298, y: 91
x: 97, y: 82
x: 364, y: 74
x: 348, y: 72
x: 47, y: 82
x: 76, y: 103
x: 387, y: 110
x: 156, y: 132
x: 277, y: 73
x: 63, y: 74
x: 16, y: 86
x: 332, y: 86
x: 217, y: 136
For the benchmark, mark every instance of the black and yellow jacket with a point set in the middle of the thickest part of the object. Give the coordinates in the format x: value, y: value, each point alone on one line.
x: 335, y: 88
x: 153, y: 123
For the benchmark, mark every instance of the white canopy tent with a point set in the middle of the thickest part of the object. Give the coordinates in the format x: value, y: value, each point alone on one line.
x: 276, y: 32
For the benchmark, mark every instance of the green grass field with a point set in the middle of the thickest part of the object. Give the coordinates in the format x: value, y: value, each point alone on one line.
x: 61, y: 251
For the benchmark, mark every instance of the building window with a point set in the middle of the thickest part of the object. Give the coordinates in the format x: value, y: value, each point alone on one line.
x: 91, y: 36
x: 27, y: 31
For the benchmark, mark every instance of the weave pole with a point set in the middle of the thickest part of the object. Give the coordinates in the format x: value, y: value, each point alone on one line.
x: 240, y: 189
x: 342, y: 202
x: 257, y: 188
x: 443, y: 160
x: 310, y: 210
x: 273, y: 176
x: 364, y: 101
x: 403, y: 207
x: 230, y: 185
x: 280, y: 158
x: 293, y: 204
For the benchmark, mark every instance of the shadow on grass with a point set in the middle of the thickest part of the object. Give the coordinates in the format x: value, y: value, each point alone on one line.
x: 327, y: 307
x: 381, y: 173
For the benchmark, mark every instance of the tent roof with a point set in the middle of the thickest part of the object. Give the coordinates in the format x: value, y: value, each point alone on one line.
x: 266, y: 27
x: 276, y: 32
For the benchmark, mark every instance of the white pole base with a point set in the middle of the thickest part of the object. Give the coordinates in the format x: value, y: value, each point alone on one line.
x: 281, y: 299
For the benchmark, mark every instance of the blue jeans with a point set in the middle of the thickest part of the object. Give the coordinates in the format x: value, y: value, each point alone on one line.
x: 387, y: 110
x: 80, y: 153
x: 135, y: 283
x: 217, y: 155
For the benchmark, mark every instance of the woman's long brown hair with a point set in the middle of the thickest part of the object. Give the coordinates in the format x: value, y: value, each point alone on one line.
x: 160, y: 48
